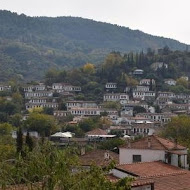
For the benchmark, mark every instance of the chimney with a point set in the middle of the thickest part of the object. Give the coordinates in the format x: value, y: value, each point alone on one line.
x: 82, y: 151
x: 106, y: 155
x: 149, y: 142
x: 129, y: 144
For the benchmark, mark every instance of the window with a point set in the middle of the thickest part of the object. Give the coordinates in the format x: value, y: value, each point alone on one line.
x: 136, y: 158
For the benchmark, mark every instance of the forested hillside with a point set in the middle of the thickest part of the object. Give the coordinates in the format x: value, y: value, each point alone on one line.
x: 119, y: 69
x: 29, y: 46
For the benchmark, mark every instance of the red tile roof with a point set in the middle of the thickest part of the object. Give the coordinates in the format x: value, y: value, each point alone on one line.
x: 164, y: 176
x: 98, y: 157
x: 156, y: 143
x: 136, y: 183
x: 147, y: 169
x: 173, y: 182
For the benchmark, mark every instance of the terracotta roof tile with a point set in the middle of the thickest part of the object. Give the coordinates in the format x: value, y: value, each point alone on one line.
x: 164, y: 176
x: 147, y: 169
x: 98, y: 157
x: 156, y: 143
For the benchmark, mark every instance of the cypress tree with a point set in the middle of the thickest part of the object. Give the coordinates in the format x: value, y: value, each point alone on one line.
x: 29, y: 141
x: 19, y: 141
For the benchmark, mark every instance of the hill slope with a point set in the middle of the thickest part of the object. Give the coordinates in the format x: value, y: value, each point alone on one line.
x: 31, y: 45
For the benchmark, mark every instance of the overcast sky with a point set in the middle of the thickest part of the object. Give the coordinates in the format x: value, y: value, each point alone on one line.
x: 168, y: 18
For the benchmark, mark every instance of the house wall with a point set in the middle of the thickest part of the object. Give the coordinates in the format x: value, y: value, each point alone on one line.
x: 174, y: 160
x: 183, y: 160
x: 126, y: 155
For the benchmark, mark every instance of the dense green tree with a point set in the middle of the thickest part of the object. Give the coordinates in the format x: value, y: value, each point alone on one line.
x: 139, y: 109
x: 16, y: 120
x: 112, y: 144
x: 44, y: 124
x: 5, y: 129
x: 53, y: 168
x: 29, y: 142
x: 178, y: 129
x: 19, y: 141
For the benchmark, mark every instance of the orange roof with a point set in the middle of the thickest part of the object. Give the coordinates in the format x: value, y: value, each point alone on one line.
x: 97, y: 131
x: 98, y: 157
x: 156, y: 143
x: 173, y: 182
x: 149, y: 169
x: 136, y: 183
x: 164, y: 176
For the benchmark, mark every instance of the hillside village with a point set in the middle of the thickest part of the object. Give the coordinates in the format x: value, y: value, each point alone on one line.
x: 81, y: 108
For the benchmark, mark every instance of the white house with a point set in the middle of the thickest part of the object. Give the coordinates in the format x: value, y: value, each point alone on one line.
x: 38, y: 100
x: 81, y: 104
x: 142, y: 95
x: 38, y: 94
x: 111, y: 85
x: 138, y: 72
x: 143, y: 129
x: 5, y: 88
x: 158, y: 65
x: 61, y: 113
x: 120, y: 97
x: 169, y: 95
x: 85, y: 111
x: 53, y: 105
x: 170, y: 82
x: 35, y: 94
x: 154, y: 148
x: 127, y: 110
x: 64, y: 87
x: 141, y: 88
x: 158, y: 117
x: 147, y: 82
x: 38, y: 87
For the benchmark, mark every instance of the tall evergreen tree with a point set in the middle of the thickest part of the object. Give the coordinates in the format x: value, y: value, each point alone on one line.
x: 29, y: 142
x: 19, y: 141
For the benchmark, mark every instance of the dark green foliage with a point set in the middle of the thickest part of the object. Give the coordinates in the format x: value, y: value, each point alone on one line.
x: 48, y: 111
x: 138, y: 109
x: 43, y: 124
x: 112, y: 144
x: 19, y: 141
x: 54, y: 168
x: 29, y: 46
x: 62, y: 106
x: 118, y: 68
x: 29, y: 142
x: 117, y: 133
x: 15, y: 120
x: 74, y: 129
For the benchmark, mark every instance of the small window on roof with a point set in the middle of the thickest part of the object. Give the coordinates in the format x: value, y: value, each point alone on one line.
x: 136, y: 158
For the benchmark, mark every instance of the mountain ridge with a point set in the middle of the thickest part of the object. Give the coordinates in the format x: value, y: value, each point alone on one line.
x: 39, y: 43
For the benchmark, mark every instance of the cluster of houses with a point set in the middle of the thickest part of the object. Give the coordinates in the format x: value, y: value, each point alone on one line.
x: 45, y: 96
x: 141, y: 111
x: 153, y: 162
x: 128, y: 119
